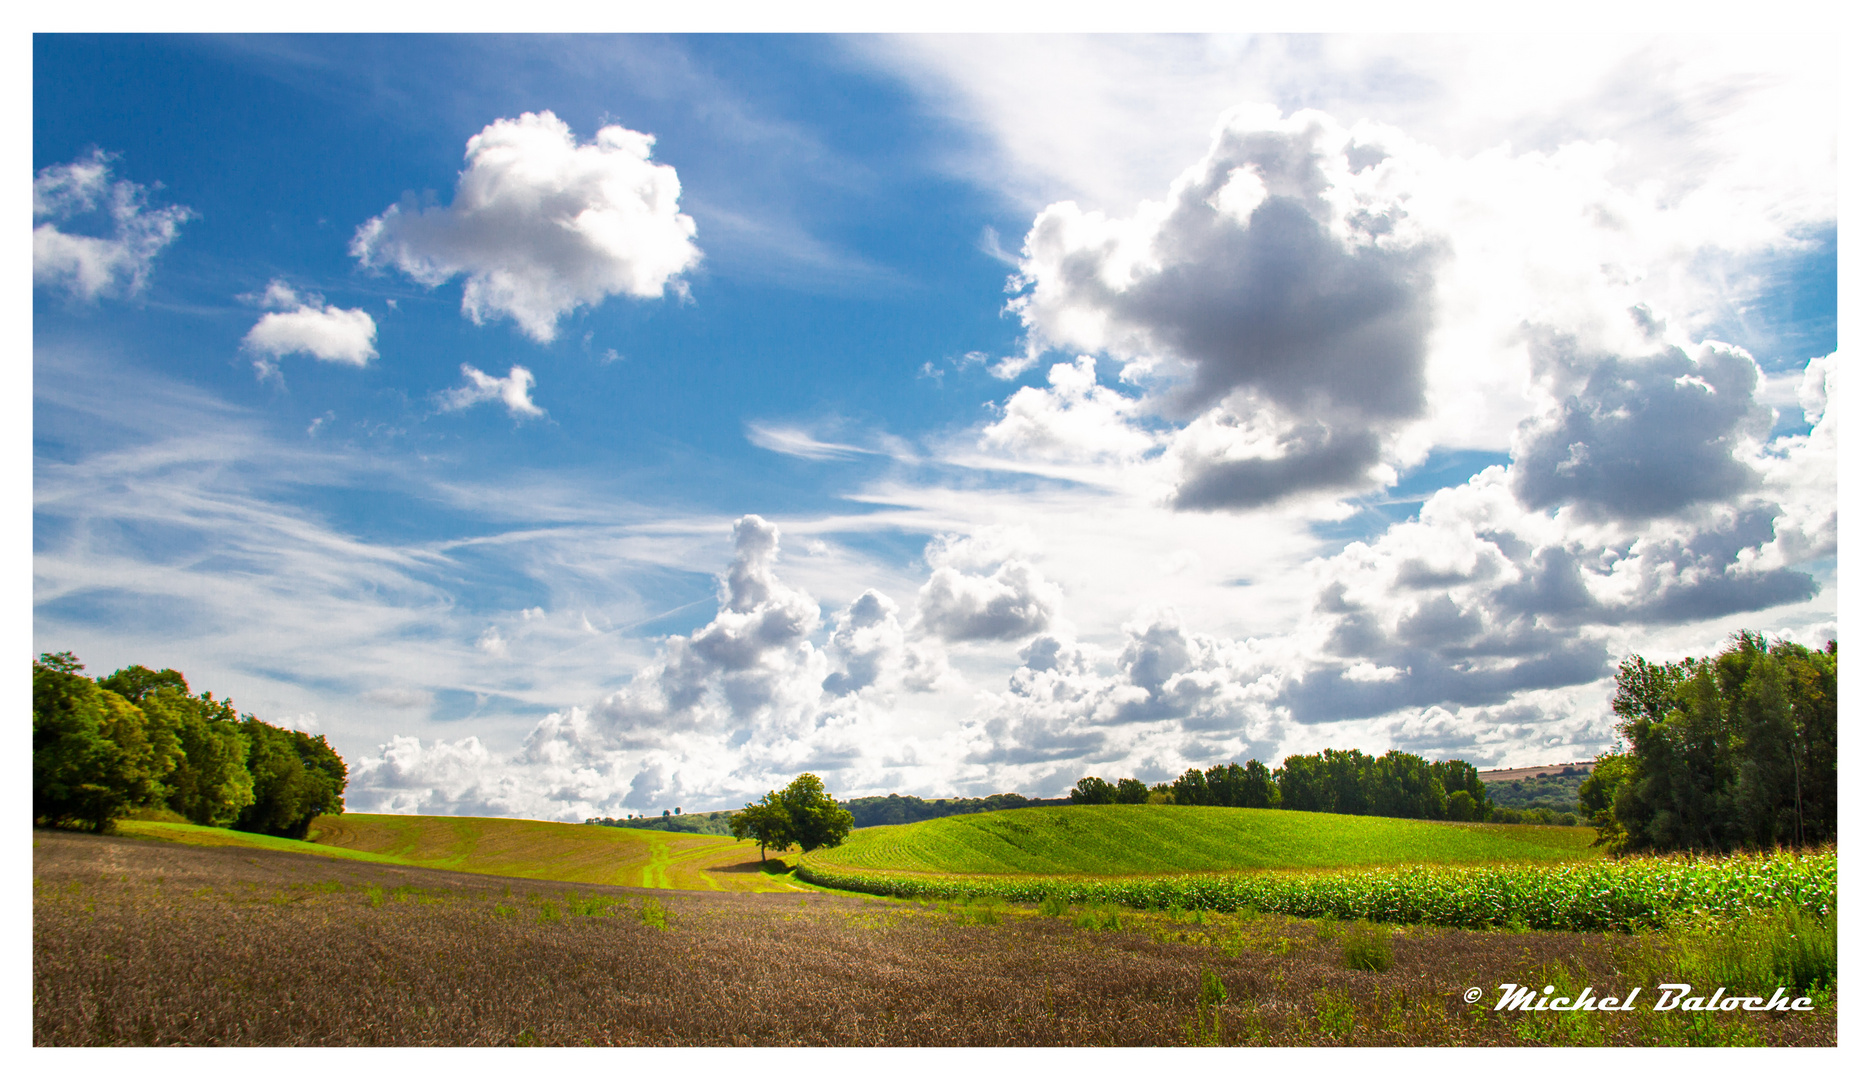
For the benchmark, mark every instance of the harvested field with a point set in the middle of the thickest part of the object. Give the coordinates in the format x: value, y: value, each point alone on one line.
x: 138, y: 942
x: 510, y: 847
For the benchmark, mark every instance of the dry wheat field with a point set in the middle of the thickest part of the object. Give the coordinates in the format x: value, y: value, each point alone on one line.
x: 137, y: 942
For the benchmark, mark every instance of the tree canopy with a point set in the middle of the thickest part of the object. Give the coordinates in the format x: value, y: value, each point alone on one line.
x: 1737, y: 750
x: 138, y: 739
x: 802, y: 815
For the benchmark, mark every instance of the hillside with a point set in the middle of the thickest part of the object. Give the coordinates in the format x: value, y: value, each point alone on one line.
x: 1554, y: 787
x: 545, y: 850
x: 1173, y: 839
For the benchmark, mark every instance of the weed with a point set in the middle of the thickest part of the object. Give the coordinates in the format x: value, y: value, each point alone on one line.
x: 1367, y: 948
x: 979, y: 915
x: 548, y: 912
x: 1755, y: 955
x: 653, y: 915
x: 1206, y: 1028
x: 1053, y: 905
x: 1337, y: 1013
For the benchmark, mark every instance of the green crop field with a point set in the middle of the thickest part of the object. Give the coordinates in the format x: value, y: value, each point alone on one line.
x: 545, y: 850
x: 1127, y: 840
x: 1620, y: 895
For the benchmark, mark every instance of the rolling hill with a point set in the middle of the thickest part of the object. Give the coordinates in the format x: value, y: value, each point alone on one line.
x: 545, y: 850
x: 1124, y: 840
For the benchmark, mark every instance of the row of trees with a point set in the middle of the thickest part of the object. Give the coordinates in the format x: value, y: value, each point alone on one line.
x: 896, y: 809
x: 1398, y: 784
x: 138, y: 739
x: 802, y: 815
x: 1737, y: 750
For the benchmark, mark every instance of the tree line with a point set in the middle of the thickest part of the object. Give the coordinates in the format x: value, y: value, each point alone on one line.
x: 138, y: 740
x: 1398, y: 784
x: 893, y: 809
x: 1732, y: 751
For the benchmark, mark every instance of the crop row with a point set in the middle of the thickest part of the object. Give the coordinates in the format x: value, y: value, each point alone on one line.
x: 1620, y: 895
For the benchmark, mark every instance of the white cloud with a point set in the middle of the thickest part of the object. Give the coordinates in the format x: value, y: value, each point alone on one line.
x: 1639, y: 437
x: 514, y: 391
x: 1013, y: 601
x: 309, y: 325
x: 1073, y: 419
x: 1746, y: 122
x: 491, y: 643
x: 542, y: 225
x: 799, y: 443
x: 1285, y: 274
x: 90, y: 266
x: 867, y: 649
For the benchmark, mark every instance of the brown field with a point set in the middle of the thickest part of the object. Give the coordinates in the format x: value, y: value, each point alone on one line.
x: 510, y: 847
x: 141, y: 942
x: 1498, y: 776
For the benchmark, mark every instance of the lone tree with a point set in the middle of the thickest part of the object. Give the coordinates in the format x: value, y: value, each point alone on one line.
x: 801, y: 815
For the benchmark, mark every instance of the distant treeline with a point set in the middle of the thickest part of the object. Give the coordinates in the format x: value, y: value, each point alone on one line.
x: 1738, y: 750
x: 709, y: 823
x: 1398, y: 784
x: 865, y: 811
x: 895, y: 809
x: 139, y: 740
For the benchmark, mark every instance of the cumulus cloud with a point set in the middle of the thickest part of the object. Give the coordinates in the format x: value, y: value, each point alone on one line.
x: 1072, y: 419
x: 87, y: 266
x: 752, y: 664
x: 542, y: 225
x: 1639, y: 437
x: 1164, y: 686
x: 514, y: 391
x: 1489, y: 593
x: 867, y: 649
x: 311, y: 326
x: 956, y: 604
x: 1286, y: 275
x: 443, y: 777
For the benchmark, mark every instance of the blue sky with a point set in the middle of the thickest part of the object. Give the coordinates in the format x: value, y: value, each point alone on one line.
x: 940, y: 414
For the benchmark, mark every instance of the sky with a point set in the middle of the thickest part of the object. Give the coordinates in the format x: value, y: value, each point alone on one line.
x: 572, y: 426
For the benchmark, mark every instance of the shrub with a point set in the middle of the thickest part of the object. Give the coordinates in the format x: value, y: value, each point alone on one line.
x: 1367, y: 948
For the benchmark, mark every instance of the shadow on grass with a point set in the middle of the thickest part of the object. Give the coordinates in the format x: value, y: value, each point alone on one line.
x: 752, y: 866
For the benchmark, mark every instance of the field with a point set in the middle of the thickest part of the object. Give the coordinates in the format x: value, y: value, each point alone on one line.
x: 543, y: 850
x: 1120, y: 840
x: 1623, y: 896
x: 1314, y: 865
x: 139, y: 943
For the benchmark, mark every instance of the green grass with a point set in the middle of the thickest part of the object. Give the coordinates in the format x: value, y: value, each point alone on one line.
x: 1120, y: 840
x: 544, y: 850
